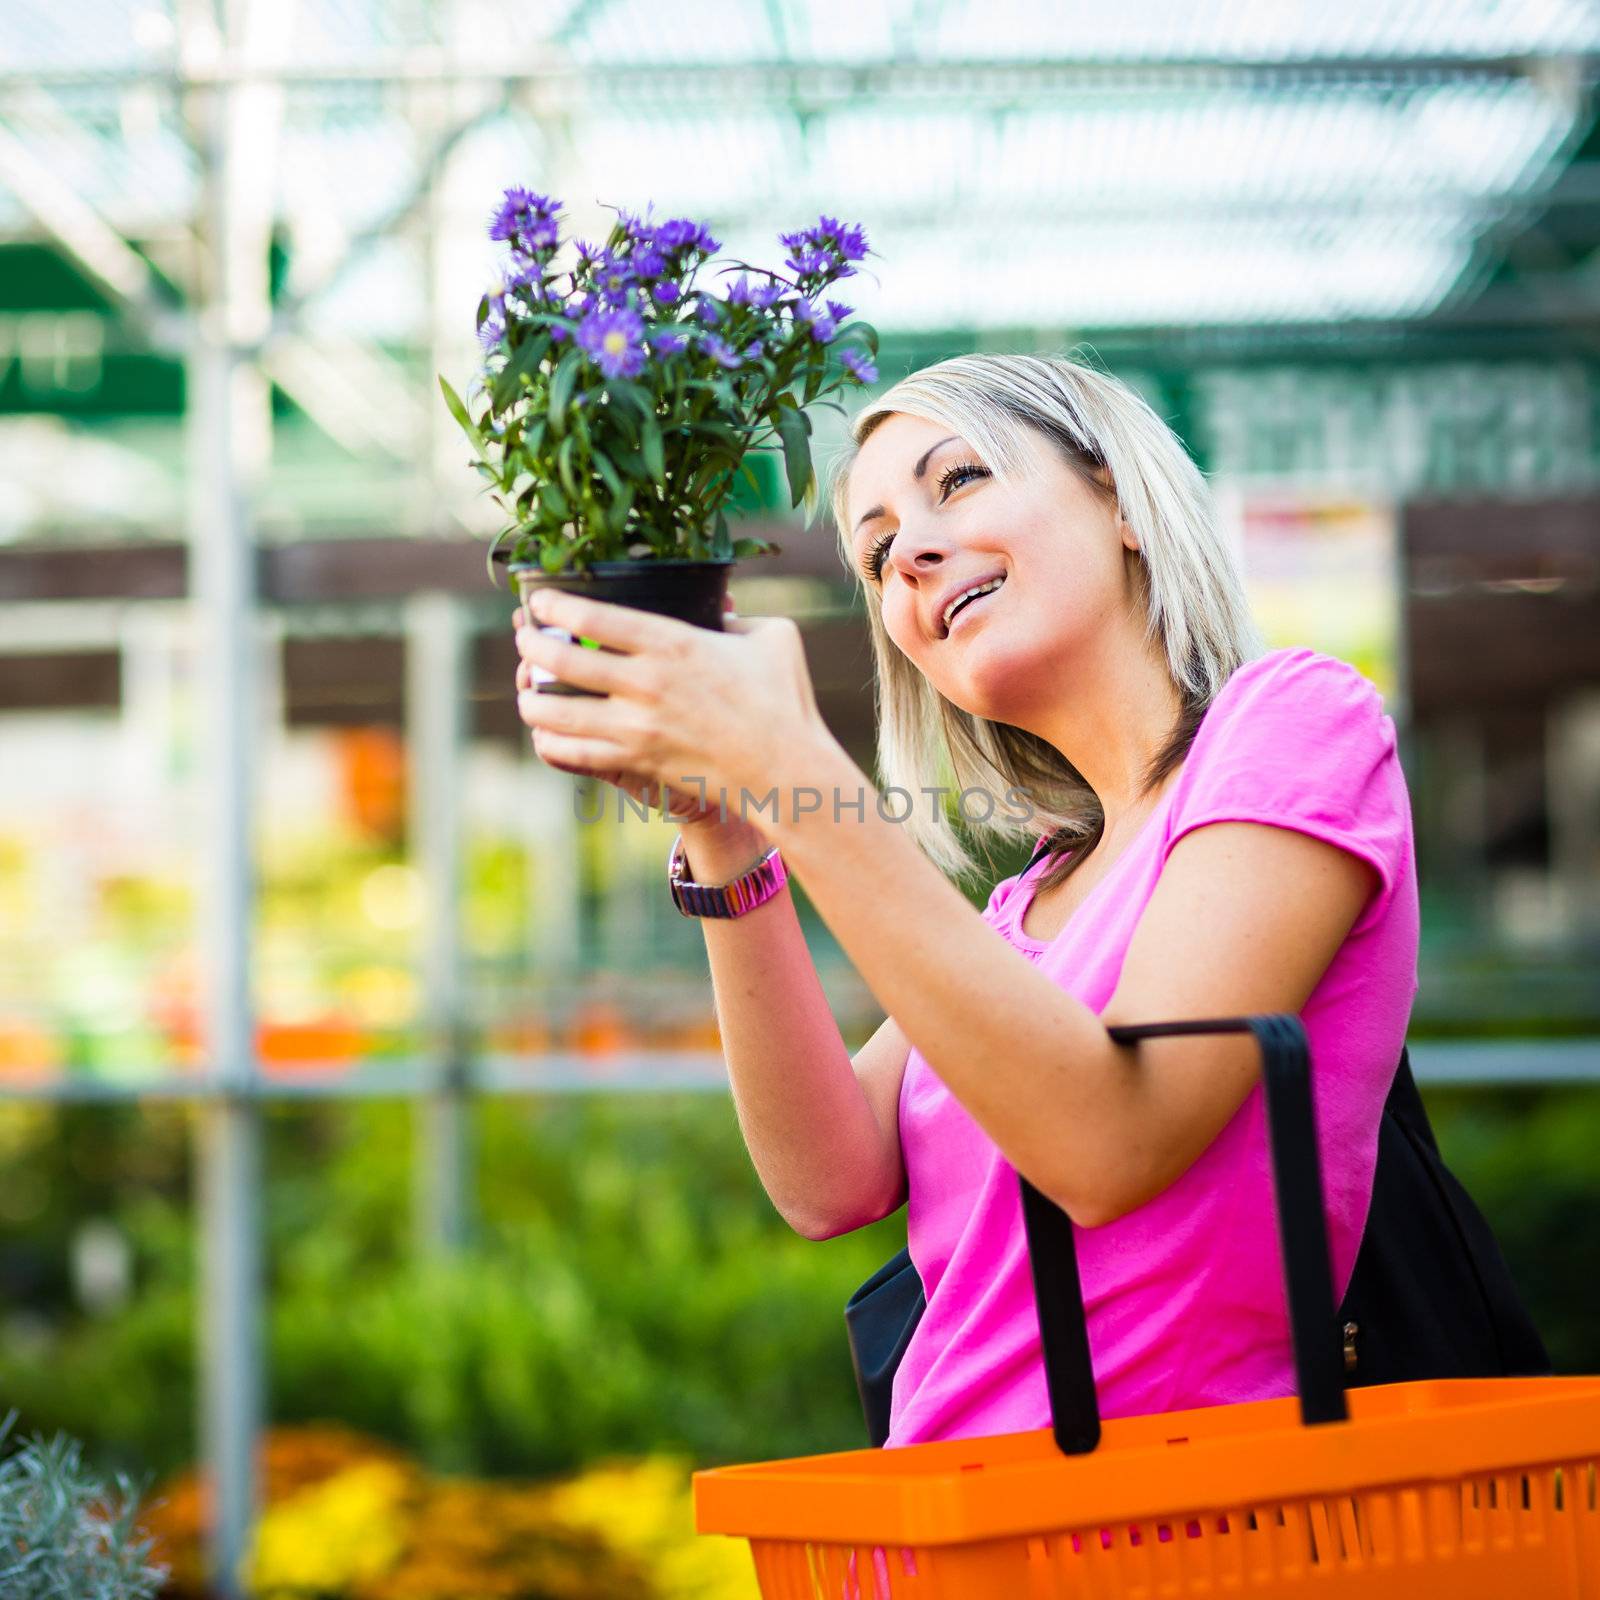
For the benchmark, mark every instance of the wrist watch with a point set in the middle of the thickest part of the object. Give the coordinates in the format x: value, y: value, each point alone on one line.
x: 744, y: 893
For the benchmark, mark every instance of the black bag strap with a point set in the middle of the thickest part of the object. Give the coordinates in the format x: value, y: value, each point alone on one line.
x: 1302, y: 1239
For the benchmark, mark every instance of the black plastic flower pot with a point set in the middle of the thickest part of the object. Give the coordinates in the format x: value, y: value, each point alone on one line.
x: 691, y: 591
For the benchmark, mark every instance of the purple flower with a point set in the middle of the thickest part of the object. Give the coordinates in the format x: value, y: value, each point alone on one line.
x: 615, y: 340
x: 848, y: 241
x: 767, y: 296
x: 753, y: 350
x: 541, y: 235
x: 664, y: 294
x: 613, y: 277
x: 649, y: 261
x: 739, y: 292
x: 841, y: 313
x: 634, y: 225
x: 682, y: 234
x: 808, y: 263
x: 526, y: 278
x: 851, y: 241
x: 721, y: 352
x: 493, y: 327
x: 821, y: 324
x: 522, y: 214
x: 858, y: 366
x: 824, y: 249
x: 667, y: 341
x: 708, y: 309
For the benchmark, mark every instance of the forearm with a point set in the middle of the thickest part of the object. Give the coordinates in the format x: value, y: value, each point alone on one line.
x: 1030, y: 1063
x: 824, y: 1160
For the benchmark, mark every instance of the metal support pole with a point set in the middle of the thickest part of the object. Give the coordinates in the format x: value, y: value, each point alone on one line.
x: 437, y: 639
x: 228, y: 1128
x: 228, y: 421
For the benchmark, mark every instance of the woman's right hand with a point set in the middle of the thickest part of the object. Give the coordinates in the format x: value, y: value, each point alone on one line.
x: 696, y: 819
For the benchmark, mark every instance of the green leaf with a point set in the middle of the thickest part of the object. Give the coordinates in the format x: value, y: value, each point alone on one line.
x: 608, y: 474
x: 459, y: 411
x: 499, y: 539
x: 569, y: 481
x: 620, y: 507
x: 650, y: 447
x: 791, y: 427
x: 862, y: 333
x: 526, y: 361
x: 631, y: 462
x: 634, y: 394
x: 561, y: 387
x: 750, y: 547
x: 553, y: 557
x: 554, y: 502
x: 532, y: 438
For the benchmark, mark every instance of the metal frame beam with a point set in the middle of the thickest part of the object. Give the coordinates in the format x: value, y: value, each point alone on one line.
x: 833, y: 82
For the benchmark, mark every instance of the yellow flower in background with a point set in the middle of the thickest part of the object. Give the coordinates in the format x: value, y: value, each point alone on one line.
x: 646, y: 1509
x: 333, y: 1535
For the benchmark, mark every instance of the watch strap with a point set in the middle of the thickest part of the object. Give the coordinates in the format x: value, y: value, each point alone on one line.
x: 733, y: 899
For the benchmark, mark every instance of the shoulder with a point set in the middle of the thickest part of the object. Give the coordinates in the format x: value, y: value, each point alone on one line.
x: 1299, y: 673
x: 1297, y: 693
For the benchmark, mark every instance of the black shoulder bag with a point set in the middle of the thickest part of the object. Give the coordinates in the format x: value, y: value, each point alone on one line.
x: 1430, y: 1295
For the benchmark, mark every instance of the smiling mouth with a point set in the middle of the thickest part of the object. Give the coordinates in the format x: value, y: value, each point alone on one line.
x: 967, y: 605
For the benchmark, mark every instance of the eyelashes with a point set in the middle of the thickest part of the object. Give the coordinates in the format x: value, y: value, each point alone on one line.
x: 963, y: 470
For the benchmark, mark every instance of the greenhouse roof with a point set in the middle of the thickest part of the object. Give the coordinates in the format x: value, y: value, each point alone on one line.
x: 1016, y: 165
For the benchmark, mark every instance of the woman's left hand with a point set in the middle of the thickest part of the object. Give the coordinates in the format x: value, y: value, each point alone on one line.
x: 686, y: 706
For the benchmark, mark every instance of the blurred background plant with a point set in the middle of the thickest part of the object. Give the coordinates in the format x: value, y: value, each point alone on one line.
x: 629, y: 1288
x: 347, y: 1517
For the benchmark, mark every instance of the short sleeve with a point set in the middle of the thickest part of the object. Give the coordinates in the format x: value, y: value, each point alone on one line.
x: 1298, y: 739
x: 1003, y: 890
x: 998, y: 897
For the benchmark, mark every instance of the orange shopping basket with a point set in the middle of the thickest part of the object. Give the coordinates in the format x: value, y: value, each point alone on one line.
x: 1456, y: 1489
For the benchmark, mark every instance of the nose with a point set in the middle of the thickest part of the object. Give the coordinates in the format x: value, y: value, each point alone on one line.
x: 918, y: 553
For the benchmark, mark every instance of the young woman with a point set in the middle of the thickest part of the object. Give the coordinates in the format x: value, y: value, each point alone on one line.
x: 1062, y: 644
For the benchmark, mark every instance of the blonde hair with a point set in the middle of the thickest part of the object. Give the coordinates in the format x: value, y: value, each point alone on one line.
x: 1191, y: 590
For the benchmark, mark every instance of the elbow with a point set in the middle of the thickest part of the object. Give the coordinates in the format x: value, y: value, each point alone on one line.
x: 820, y: 1225
x: 818, y: 1228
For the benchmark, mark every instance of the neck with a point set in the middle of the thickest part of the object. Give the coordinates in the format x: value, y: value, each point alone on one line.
x: 1120, y: 713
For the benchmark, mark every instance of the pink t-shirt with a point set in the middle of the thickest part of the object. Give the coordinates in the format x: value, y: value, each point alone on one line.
x: 1184, y: 1295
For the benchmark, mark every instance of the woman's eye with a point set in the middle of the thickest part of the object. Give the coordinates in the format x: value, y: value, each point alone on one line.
x: 875, y: 556
x: 954, y: 477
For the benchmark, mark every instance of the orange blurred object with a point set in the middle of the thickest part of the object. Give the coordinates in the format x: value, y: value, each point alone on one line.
x: 600, y: 1028
x: 526, y: 1035
x: 372, y: 774
x: 1476, y: 1489
x: 288, y: 1046
x: 29, y: 1053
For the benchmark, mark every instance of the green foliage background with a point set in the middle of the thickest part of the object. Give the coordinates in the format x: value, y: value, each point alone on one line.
x: 630, y: 1287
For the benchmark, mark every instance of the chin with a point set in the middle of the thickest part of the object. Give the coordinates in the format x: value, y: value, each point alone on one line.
x: 987, y: 684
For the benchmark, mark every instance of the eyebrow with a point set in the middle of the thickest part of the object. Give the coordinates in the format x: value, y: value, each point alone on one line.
x: 916, y: 473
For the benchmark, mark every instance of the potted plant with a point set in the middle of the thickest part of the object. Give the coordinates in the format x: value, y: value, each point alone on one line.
x: 619, y: 402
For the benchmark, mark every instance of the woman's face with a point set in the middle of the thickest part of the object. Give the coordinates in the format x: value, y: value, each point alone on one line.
x: 1058, y: 549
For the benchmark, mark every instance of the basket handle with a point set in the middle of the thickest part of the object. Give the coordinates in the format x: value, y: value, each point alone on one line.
x: 1302, y: 1239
